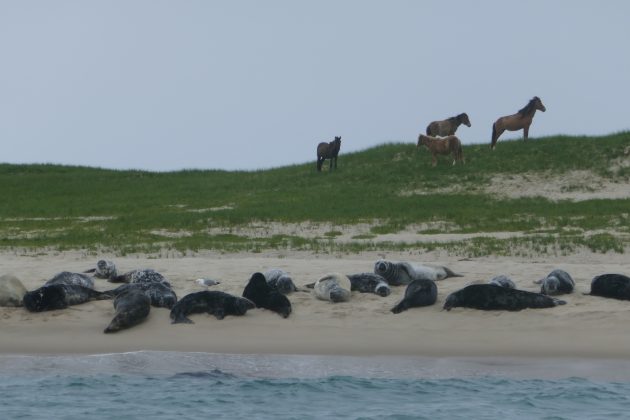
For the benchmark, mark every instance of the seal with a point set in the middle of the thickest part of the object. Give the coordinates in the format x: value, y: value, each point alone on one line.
x: 503, y: 281
x: 140, y: 276
x: 490, y: 297
x: 369, y: 283
x: 616, y: 286
x: 400, y: 273
x: 60, y: 296
x: 132, y: 307
x: 333, y: 287
x: 420, y: 292
x: 280, y: 280
x: 557, y: 282
x: 263, y: 296
x: 12, y: 291
x: 159, y: 294
x: 213, y: 302
x: 71, y: 279
x: 104, y: 270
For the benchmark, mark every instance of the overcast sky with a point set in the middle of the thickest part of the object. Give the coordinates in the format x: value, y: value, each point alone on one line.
x: 164, y: 85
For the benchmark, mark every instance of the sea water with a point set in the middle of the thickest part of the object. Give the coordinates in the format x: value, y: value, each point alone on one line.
x: 169, y: 385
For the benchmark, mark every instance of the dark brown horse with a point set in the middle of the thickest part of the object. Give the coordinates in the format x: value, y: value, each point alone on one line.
x: 442, y: 146
x: 522, y: 119
x: 328, y: 151
x: 447, y: 127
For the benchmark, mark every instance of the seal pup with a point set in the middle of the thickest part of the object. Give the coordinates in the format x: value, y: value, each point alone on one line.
x: 104, y: 270
x: 132, y: 307
x: 420, y: 292
x: 333, y: 287
x: 160, y: 295
x: 557, y: 282
x: 280, y: 280
x: 213, y: 302
x: 207, y: 282
x: 490, y: 297
x: 12, y: 291
x: 616, y: 286
x: 263, y: 296
x: 71, y: 279
x: 400, y: 273
x: 60, y: 296
x: 369, y: 283
x: 502, y: 281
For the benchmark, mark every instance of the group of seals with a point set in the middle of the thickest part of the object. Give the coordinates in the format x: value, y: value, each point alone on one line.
x: 401, y: 273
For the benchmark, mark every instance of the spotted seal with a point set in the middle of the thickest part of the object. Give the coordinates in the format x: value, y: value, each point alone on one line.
x: 104, y: 270
x: 71, y: 279
x: 132, y: 307
x: 400, y: 273
x: 140, y: 276
x: 263, y: 296
x: 12, y: 291
x: 420, y: 292
x: 280, y: 280
x: 369, y: 283
x: 60, y: 296
x: 557, y: 282
x: 490, y: 297
x: 160, y: 294
x: 212, y: 302
x: 333, y: 287
x: 502, y: 281
x: 616, y: 286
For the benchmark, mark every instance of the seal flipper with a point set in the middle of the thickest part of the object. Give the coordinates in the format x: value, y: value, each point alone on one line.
x: 181, y: 319
x: 91, y: 270
x: 219, y: 313
x: 310, y: 286
x: 450, y: 273
x: 402, y: 306
x: 559, y: 302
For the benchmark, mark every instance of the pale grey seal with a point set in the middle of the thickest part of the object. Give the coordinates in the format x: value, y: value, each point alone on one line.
x: 280, y: 280
x: 400, y: 273
x: 104, y: 270
x: 503, y: 281
x: 490, y: 297
x: 420, y: 292
x: 333, y: 287
x: 557, y: 282
x: 12, y: 291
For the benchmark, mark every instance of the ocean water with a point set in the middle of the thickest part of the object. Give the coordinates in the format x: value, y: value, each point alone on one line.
x: 167, y: 385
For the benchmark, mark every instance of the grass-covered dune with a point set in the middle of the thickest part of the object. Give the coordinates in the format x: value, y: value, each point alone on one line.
x: 390, y: 188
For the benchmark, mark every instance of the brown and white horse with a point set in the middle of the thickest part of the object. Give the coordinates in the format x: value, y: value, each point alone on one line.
x: 442, y: 146
x: 328, y: 151
x: 447, y: 127
x: 521, y: 120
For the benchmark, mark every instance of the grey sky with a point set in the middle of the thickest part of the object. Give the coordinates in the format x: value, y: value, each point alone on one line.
x: 165, y: 85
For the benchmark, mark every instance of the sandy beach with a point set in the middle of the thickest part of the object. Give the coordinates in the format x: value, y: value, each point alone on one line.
x: 586, y: 327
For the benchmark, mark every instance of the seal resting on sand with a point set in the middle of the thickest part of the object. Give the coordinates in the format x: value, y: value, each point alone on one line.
x: 503, y: 281
x: 490, y: 297
x: 263, y: 296
x: 557, y: 282
x: 333, y: 287
x: 104, y: 270
x: 132, y: 307
x: 280, y: 280
x: 71, y: 279
x: 369, y: 283
x: 420, y: 292
x: 213, y: 302
x: 140, y: 276
x: 160, y: 295
x: 60, y: 296
x: 400, y: 273
x: 12, y: 291
x: 616, y: 286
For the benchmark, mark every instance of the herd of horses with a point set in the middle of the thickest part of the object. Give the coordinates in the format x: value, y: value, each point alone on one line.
x: 440, y: 136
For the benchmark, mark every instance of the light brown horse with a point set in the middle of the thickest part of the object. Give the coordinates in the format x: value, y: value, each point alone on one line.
x: 442, y: 146
x: 328, y: 151
x: 522, y: 119
x: 447, y: 127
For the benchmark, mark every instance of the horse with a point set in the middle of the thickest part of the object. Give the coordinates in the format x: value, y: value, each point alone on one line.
x: 328, y: 151
x: 522, y: 119
x: 442, y: 146
x: 447, y: 127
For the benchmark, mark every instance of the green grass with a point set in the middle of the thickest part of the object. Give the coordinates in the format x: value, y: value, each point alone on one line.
x: 66, y: 207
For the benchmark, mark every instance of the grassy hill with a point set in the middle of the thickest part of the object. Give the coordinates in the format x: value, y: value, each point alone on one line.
x: 392, y: 188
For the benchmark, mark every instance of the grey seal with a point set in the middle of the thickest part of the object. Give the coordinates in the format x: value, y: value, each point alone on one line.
x: 557, y: 282
x: 280, y: 280
x: 71, y: 279
x: 333, y: 287
x: 400, y: 273
x: 132, y: 307
x: 616, y: 286
x: 213, y: 302
x: 503, y: 281
x: 140, y: 276
x: 160, y: 294
x: 420, y: 292
x: 490, y: 297
x: 60, y: 296
x: 260, y: 292
x: 12, y: 291
x: 369, y: 283
x: 104, y: 270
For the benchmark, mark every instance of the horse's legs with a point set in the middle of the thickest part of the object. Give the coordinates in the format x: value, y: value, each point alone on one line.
x: 496, y: 133
x: 335, y: 162
x: 525, y: 132
x: 434, y: 160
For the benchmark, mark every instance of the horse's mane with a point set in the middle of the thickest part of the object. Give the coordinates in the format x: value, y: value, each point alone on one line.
x: 529, y: 107
x: 457, y: 118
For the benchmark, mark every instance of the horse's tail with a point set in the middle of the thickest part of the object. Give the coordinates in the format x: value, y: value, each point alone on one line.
x: 494, y: 133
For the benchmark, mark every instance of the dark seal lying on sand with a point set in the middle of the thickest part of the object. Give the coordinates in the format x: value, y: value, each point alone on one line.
x: 490, y: 297
x: 60, y: 296
x: 263, y: 296
x: 616, y: 286
x: 421, y: 292
x: 213, y: 302
x: 132, y: 307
